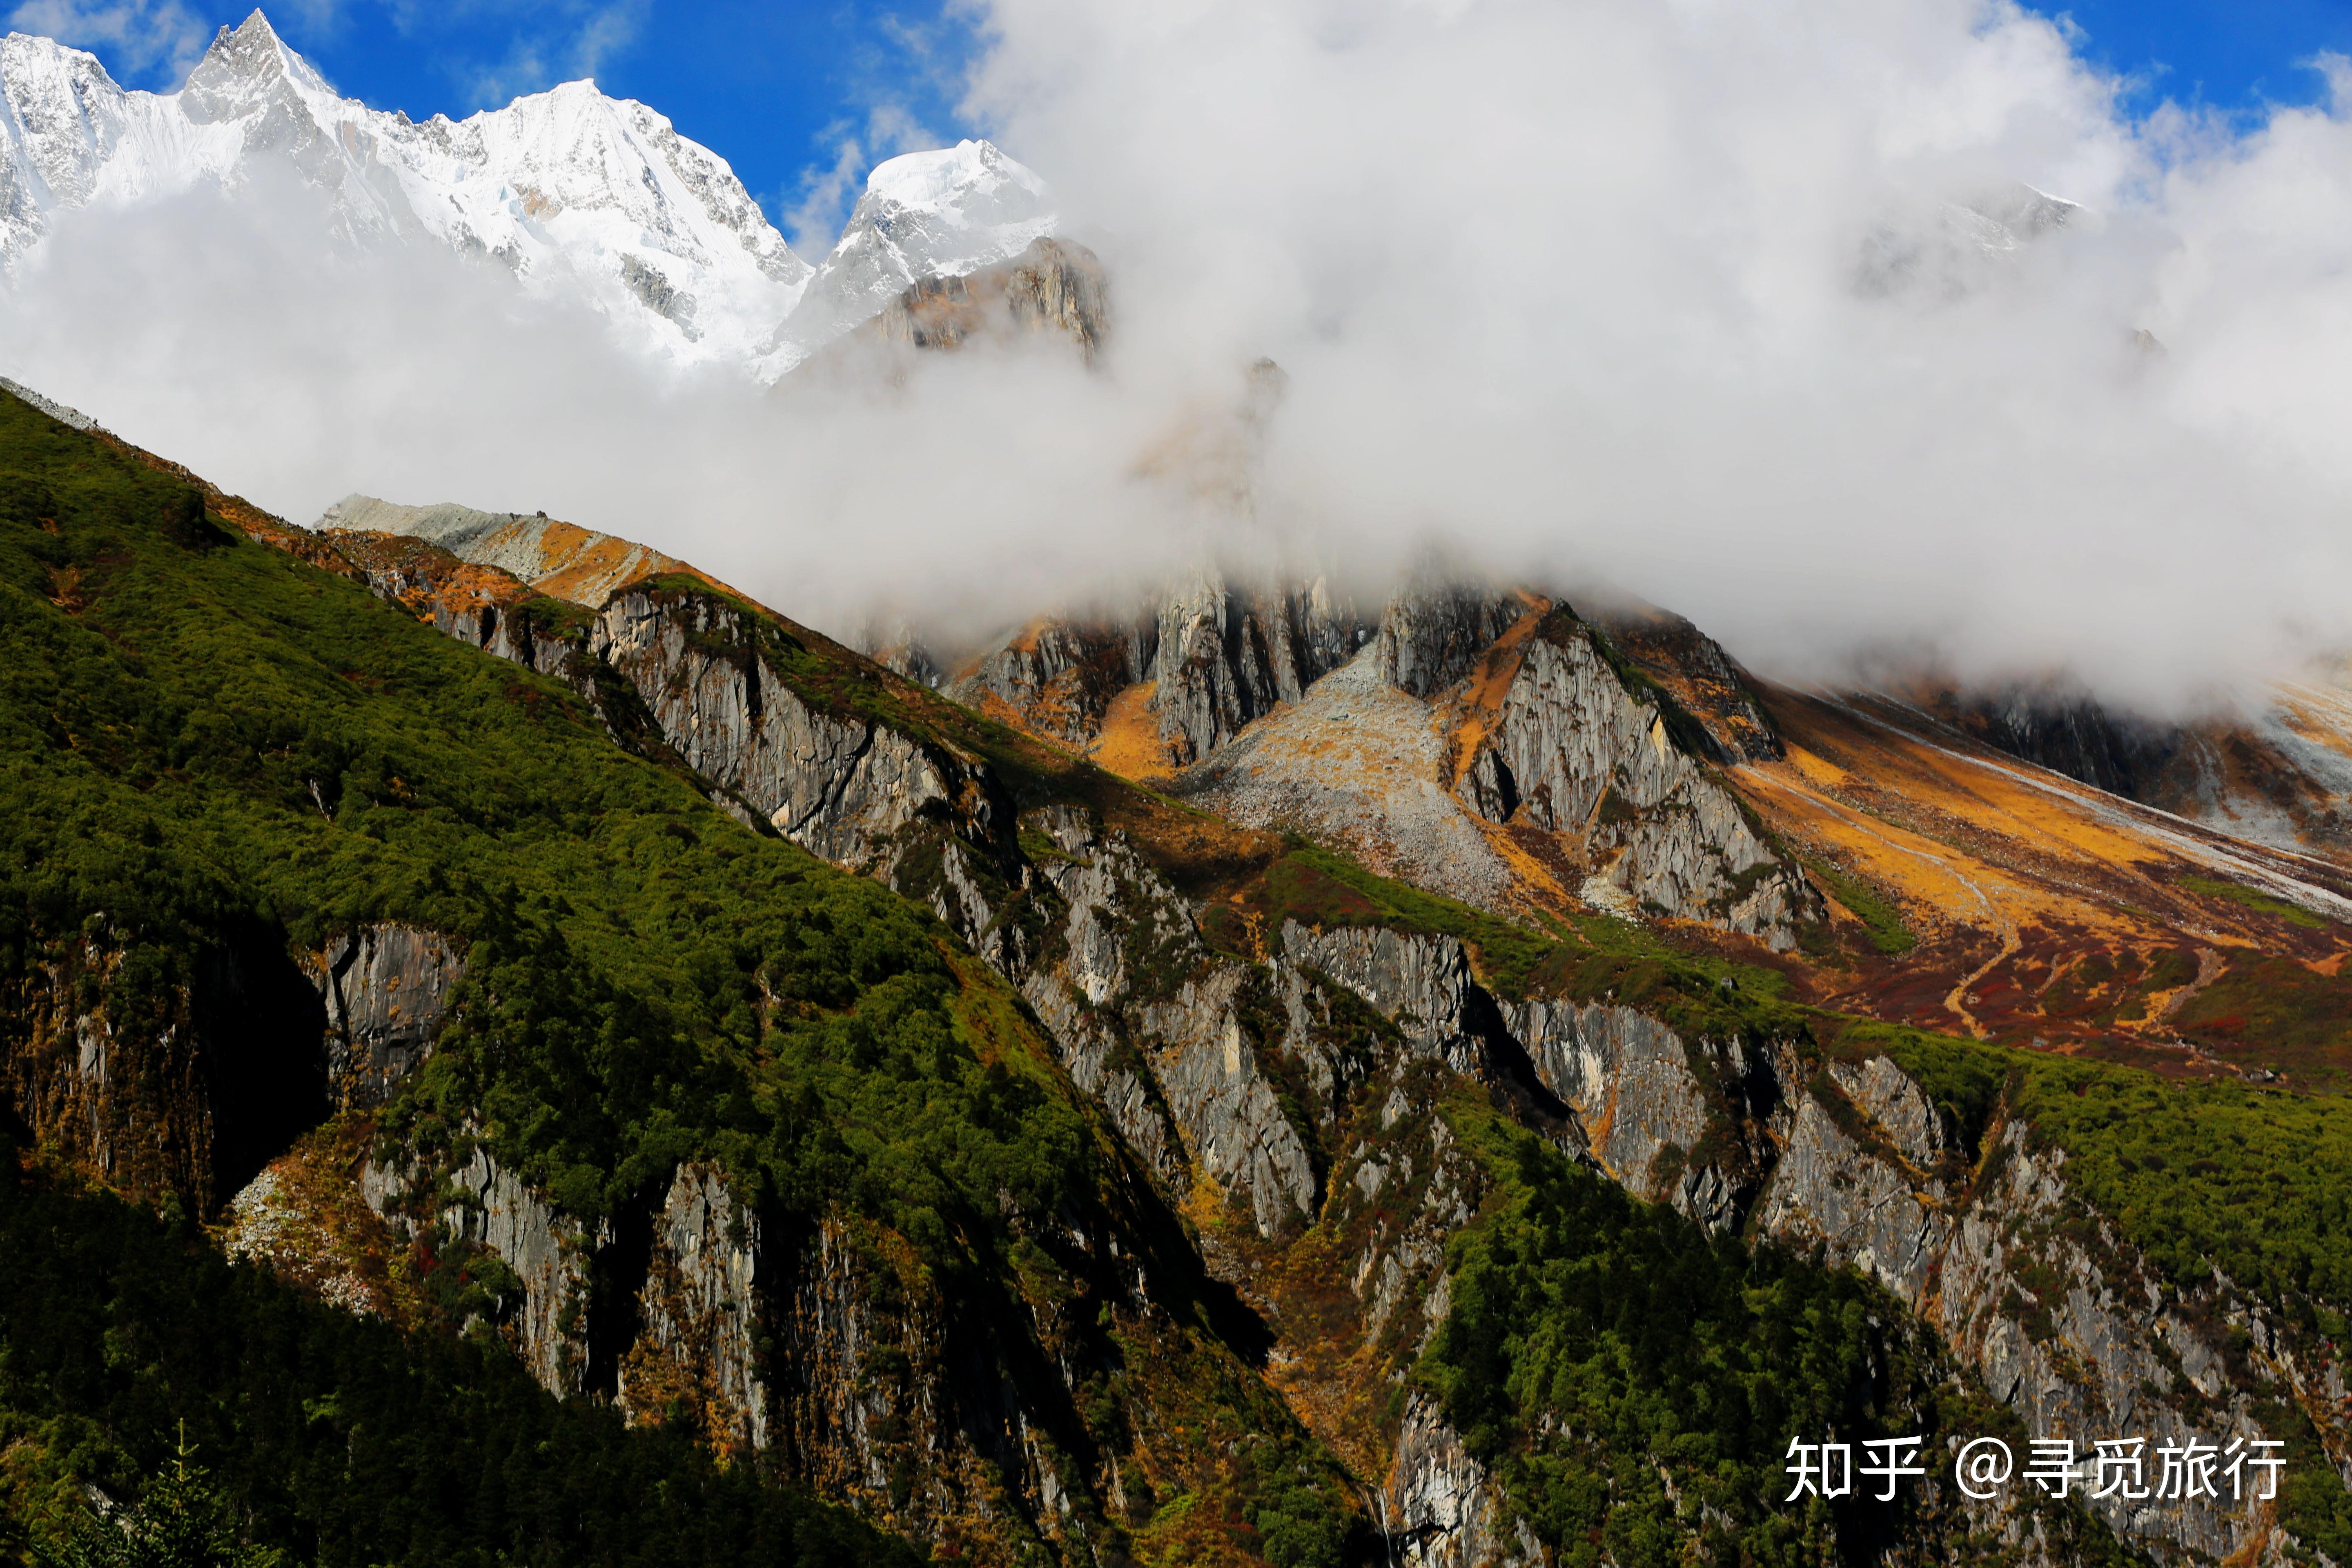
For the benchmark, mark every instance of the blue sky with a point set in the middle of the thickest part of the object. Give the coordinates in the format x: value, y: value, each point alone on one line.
x: 803, y: 96
x: 2232, y: 54
x: 801, y: 99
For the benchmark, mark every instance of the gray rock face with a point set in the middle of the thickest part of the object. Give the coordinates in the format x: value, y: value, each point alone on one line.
x: 2070, y: 1334
x: 1828, y: 1190
x: 1231, y: 1118
x: 1147, y: 1020
x: 1059, y: 677
x: 386, y: 989
x: 1420, y: 983
x: 1433, y: 631
x: 698, y: 1317
x: 873, y: 1410
x: 842, y: 789
x: 1225, y: 655
x: 498, y: 1210
x: 1571, y: 751
x: 1707, y: 680
x: 1630, y: 1081
x: 1056, y: 286
x: 1217, y: 651
x: 1445, y: 1509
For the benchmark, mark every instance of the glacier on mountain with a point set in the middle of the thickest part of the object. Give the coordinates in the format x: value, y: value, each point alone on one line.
x: 573, y: 192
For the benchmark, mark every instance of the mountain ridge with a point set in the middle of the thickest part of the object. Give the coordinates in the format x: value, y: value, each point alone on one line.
x: 569, y: 189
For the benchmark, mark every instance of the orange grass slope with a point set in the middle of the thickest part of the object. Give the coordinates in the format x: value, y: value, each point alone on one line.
x: 2046, y: 913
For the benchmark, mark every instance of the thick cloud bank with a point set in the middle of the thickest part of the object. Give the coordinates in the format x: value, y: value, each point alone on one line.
x: 1749, y: 308
x: 1677, y: 292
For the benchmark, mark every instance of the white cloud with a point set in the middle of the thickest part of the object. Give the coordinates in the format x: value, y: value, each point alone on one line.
x: 1579, y: 287
x: 152, y: 41
x: 212, y: 329
x: 1576, y: 286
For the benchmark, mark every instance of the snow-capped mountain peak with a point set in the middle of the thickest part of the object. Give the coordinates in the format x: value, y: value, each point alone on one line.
x: 940, y: 214
x: 570, y: 189
x: 573, y: 191
x: 247, y: 70
x: 970, y: 182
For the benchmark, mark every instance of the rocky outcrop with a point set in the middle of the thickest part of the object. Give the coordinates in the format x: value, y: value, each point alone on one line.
x: 1058, y: 678
x: 1672, y: 1121
x: 159, y: 1067
x: 1434, y: 629
x: 1420, y: 983
x: 696, y: 1358
x: 1056, y: 287
x: 871, y: 1407
x: 1569, y: 749
x: 1694, y: 669
x: 1213, y: 655
x: 843, y: 788
x: 386, y: 989
x: 555, y: 558
x: 481, y: 1207
x: 1444, y: 1511
x: 1225, y: 655
x: 1149, y: 1021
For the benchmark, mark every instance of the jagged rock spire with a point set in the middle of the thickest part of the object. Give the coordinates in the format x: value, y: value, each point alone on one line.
x: 240, y: 69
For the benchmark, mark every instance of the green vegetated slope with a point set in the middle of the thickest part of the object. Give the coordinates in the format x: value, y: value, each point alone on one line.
x: 334, y: 1439
x: 212, y: 753
x: 1635, y: 1380
x: 2176, y: 1168
x: 199, y: 735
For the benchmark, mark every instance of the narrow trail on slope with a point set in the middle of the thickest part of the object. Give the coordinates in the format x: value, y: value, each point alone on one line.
x: 2209, y: 965
x: 2010, y: 941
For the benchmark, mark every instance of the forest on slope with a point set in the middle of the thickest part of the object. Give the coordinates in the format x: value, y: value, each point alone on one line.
x: 223, y: 757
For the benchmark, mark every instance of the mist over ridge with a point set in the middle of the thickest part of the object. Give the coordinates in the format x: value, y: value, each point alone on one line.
x: 1760, y: 313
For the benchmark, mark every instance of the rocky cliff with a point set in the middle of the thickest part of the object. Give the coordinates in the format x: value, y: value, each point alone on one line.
x: 1282, y: 1078
x: 697, y: 1360
x: 1557, y: 738
x: 167, y: 1067
x: 1178, y: 681
x: 386, y: 988
x: 1056, y: 287
x: 848, y: 788
x: 1434, y: 629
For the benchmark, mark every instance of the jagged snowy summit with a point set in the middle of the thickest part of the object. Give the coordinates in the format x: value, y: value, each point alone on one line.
x: 572, y: 189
